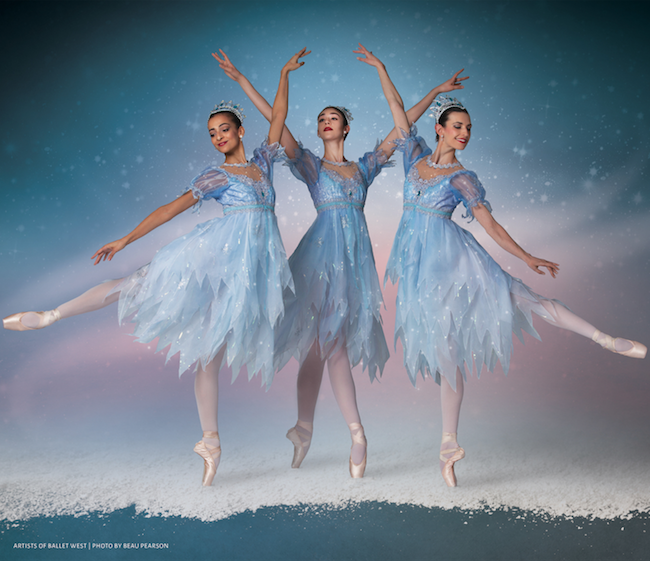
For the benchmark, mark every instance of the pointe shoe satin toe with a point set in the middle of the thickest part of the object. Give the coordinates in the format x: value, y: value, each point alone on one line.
x: 456, y: 454
x: 638, y: 350
x: 211, y: 456
x: 357, y: 470
x: 300, y: 443
x: 13, y: 322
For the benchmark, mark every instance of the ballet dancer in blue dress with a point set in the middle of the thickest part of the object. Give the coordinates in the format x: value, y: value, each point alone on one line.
x: 455, y: 306
x: 335, y: 314
x: 216, y: 294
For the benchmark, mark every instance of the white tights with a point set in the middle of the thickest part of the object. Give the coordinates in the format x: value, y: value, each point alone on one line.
x: 206, y: 390
x: 91, y: 300
x: 206, y: 383
x: 310, y: 377
x: 450, y: 400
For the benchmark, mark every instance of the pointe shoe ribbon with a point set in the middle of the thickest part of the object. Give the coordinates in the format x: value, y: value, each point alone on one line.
x: 211, y: 456
x: 457, y: 454
x: 358, y: 437
x: 300, y: 444
x: 13, y: 322
x: 638, y: 350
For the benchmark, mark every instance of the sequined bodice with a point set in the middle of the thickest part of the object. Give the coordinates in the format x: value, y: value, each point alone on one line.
x: 332, y: 187
x: 435, y: 193
x: 244, y: 187
x: 243, y: 190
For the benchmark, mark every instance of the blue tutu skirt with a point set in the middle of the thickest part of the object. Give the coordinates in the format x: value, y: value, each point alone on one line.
x: 220, y: 285
x: 456, y: 308
x: 338, y: 296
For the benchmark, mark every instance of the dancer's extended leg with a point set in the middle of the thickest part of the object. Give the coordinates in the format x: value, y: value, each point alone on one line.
x: 91, y: 300
x: 566, y: 319
x: 310, y: 377
x: 206, y: 390
x: 346, y: 396
x: 450, y: 402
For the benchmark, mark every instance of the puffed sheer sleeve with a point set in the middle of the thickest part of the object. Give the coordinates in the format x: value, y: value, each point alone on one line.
x: 468, y: 190
x: 266, y: 155
x: 304, y: 165
x: 413, y: 146
x: 371, y: 163
x: 209, y: 184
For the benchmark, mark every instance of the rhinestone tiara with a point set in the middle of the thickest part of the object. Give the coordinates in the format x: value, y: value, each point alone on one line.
x: 441, y: 104
x: 235, y: 109
x: 344, y: 111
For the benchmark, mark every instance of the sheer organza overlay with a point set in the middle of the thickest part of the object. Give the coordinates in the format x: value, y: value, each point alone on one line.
x: 456, y: 308
x: 338, y: 296
x: 222, y: 284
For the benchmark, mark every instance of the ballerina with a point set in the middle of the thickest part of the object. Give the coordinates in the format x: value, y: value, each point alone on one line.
x: 335, y: 314
x: 455, y: 306
x: 226, y: 278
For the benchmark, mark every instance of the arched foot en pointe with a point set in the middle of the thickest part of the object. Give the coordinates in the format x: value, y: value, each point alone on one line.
x: 358, y: 437
x: 211, y: 456
x: 301, y: 441
x: 14, y: 323
x: 456, y: 454
x: 637, y: 350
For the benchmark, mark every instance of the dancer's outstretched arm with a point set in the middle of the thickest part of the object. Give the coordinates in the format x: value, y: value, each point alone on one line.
x: 415, y: 112
x: 281, y: 103
x: 156, y: 218
x: 287, y: 140
x: 499, y: 235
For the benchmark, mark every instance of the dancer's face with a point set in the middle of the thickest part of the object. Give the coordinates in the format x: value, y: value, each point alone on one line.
x: 225, y: 136
x: 457, y: 130
x: 331, y: 124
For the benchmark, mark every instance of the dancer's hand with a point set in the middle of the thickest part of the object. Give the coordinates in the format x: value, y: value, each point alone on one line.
x: 295, y: 62
x: 368, y: 57
x: 107, y: 252
x: 454, y: 83
x: 227, y: 66
x: 535, y: 262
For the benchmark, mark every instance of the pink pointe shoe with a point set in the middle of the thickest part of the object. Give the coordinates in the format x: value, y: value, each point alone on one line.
x: 300, y: 442
x: 13, y: 322
x: 638, y: 350
x: 358, y: 437
x: 456, y: 454
x: 211, y: 456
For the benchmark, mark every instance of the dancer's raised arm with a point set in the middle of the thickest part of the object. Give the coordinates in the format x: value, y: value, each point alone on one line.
x: 415, y: 112
x: 259, y: 101
x: 391, y: 94
x: 281, y: 103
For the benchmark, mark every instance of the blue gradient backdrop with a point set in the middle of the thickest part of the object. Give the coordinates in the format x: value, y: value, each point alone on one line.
x: 104, y: 108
